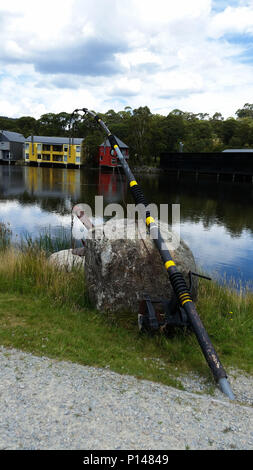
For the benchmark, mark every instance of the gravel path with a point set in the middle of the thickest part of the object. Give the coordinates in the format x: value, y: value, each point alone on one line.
x: 48, y: 404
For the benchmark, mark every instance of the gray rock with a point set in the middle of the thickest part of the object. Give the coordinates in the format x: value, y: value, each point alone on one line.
x: 65, y: 259
x: 78, y: 251
x: 119, y: 271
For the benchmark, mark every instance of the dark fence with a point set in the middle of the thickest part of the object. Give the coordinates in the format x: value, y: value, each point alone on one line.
x: 228, y: 162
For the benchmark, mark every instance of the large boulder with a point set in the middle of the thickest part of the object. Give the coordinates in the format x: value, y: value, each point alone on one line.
x: 120, y: 270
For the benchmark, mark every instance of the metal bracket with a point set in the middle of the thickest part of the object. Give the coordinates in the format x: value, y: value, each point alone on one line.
x: 162, y: 315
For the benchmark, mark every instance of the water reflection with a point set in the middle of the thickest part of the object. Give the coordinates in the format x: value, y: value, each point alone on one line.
x: 216, y: 218
x: 112, y: 186
x: 216, y: 221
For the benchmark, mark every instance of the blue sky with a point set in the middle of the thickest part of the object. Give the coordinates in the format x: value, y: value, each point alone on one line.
x: 58, y: 55
x: 220, y: 5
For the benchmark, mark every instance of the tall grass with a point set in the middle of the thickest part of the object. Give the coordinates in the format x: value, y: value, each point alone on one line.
x: 5, y: 236
x: 46, y: 241
x: 25, y: 268
x: 29, y: 272
x: 227, y: 312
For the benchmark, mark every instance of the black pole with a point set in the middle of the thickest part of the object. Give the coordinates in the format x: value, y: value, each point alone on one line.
x: 176, y: 278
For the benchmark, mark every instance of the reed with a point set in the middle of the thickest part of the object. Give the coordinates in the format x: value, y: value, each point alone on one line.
x: 46, y: 241
x: 5, y: 236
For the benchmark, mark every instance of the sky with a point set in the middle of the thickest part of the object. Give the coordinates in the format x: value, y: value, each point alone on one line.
x: 58, y: 55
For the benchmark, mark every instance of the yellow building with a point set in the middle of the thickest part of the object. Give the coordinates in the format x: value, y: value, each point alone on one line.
x: 58, y: 150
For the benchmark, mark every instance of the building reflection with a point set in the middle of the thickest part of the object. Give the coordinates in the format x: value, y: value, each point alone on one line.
x: 54, y: 182
x: 12, y: 181
x: 39, y: 182
x: 112, y: 186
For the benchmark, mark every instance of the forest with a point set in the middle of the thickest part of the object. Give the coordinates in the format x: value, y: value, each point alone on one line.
x: 147, y: 134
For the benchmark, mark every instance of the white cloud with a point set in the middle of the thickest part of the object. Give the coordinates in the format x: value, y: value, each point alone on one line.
x: 125, y: 87
x: 59, y: 55
x: 232, y: 20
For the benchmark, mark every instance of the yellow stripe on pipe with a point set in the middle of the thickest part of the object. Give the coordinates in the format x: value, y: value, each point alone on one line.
x: 184, y: 302
x: 115, y: 146
x: 149, y: 220
x: 184, y: 295
x: 168, y: 264
x: 133, y: 183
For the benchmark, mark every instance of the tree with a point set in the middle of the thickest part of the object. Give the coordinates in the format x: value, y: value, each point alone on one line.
x: 228, y: 129
x: 174, y: 131
x: 158, y: 135
x: 27, y: 125
x: 202, y: 116
x: 217, y: 117
x: 243, y: 134
x: 246, y: 111
x: 90, y: 148
x: 54, y: 124
x: 183, y: 114
x: 140, y: 124
x: 199, y: 136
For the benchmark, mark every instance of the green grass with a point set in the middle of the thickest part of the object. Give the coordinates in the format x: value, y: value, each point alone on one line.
x: 82, y: 336
x: 46, y: 311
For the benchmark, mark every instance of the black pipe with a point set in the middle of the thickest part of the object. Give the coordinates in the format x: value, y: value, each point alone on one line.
x: 176, y: 278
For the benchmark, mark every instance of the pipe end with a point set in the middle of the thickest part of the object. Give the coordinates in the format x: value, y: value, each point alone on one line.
x: 225, y: 388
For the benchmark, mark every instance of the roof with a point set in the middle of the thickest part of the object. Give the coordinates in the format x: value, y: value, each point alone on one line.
x: 54, y: 140
x: 238, y: 150
x: 121, y: 144
x: 13, y: 136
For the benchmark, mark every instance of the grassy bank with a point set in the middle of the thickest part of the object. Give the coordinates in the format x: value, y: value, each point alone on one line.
x: 45, y: 310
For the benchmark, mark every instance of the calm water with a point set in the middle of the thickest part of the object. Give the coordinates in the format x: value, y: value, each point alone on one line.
x: 216, y: 218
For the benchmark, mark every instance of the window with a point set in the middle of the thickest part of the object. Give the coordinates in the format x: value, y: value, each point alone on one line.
x: 78, y: 148
x: 27, y: 156
x: 114, y: 160
x: 39, y: 147
x: 57, y: 148
x: 39, y: 156
x: 46, y: 158
x: 65, y: 148
x: 27, y: 146
x: 101, y: 157
x: 65, y: 158
x: 46, y: 148
x: 77, y: 159
x: 57, y: 158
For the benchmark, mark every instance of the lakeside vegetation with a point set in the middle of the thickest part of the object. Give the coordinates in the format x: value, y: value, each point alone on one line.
x: 46, y: 311
x: 146, y: 134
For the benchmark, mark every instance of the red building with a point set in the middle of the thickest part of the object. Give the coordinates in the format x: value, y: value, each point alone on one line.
x: 108, y: 156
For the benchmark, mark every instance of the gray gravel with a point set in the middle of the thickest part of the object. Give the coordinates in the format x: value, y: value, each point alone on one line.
x: 48, y: 404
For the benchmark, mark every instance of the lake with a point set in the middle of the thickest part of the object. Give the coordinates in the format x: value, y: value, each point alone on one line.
x: 216, y: 217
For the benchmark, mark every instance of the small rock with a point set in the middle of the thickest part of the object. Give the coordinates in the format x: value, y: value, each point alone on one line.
x: 66, y: 259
